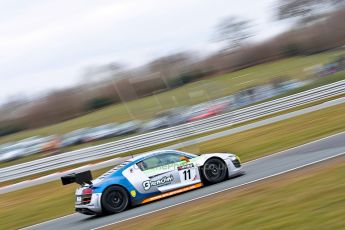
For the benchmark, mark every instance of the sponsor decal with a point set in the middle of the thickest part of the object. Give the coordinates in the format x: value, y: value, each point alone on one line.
x: 187, y: 166
x: 133, y: 193
x: 164, y: 195
x: 158, y: 183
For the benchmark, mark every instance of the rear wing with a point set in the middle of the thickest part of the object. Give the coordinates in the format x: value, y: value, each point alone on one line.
x: 79, y: 178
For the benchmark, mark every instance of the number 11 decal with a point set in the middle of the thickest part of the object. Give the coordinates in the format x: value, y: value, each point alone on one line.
x: 187, y: 175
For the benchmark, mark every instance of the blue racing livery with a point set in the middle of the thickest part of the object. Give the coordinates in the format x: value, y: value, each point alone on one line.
x: 149, y: 177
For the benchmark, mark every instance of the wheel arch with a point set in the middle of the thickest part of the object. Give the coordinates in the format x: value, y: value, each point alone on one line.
x: 212, y: 157
x: 200, y: 168
x: 118, y: 185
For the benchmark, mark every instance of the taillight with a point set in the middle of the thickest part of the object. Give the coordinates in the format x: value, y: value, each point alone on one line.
x: 87, y: 191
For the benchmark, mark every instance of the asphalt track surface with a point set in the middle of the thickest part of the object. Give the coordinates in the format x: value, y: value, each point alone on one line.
x: 263, y: 168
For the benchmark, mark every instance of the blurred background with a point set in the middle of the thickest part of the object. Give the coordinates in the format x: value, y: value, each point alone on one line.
x: 85, y: 85
x: 75, y: 75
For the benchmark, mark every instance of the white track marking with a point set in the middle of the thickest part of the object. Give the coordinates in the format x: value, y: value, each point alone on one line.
x: 48, y: 221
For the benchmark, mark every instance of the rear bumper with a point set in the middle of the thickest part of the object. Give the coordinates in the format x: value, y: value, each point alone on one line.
x: 92, y: 208
x: 86, y: 211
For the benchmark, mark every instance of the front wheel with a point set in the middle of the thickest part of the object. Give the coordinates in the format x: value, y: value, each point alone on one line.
x: 214, y: 170
x: 114, y: 199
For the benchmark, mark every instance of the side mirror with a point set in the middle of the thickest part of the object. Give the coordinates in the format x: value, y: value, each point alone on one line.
x: 184, y: 159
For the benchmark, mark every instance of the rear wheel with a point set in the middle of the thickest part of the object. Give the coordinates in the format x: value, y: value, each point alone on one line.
x: 214, y: 170
x: 114, y: 199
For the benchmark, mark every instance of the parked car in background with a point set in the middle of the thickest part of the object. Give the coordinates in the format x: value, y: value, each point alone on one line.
x: 205, y: 110
x: 289, y: 85
x: 196, y: 111
x: 227, y: 103
x: 74, y: 138
x: 157, y: 123
x: 177, y: 116
x: 129, y: 127
x: 101, y: 132
x: 12, y: 152
x: 166, y: 119
x: 36, y: 144
x: 51, y: 143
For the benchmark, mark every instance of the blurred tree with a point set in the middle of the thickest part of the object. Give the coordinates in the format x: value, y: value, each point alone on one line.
x: 98, y: 73
x: 234, y: 31
x: 7, y: 129
x: 171, y: 66
x: 97, y: 103
x: 306, y: 10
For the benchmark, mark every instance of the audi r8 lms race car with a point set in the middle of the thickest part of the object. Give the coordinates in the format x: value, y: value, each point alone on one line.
x: 149, y: 177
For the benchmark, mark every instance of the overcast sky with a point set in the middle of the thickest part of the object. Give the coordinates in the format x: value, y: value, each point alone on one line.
x: 47, y: 44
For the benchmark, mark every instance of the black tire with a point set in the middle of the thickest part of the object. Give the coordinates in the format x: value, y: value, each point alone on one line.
x: 214, y: 171
x: 114, y: 200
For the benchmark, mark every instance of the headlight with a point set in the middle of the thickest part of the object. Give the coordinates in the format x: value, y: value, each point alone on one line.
x: 233, y: 158
x: 238, y: 158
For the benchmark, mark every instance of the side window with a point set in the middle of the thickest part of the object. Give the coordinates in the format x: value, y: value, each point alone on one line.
x: 149, y: 163
x: 159, y: 160
x: 169, y: 158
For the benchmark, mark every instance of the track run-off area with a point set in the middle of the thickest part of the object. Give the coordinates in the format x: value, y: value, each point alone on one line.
x: 257, y: 170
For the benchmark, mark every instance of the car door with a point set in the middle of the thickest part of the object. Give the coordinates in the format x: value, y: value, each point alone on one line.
x: 168, y: 171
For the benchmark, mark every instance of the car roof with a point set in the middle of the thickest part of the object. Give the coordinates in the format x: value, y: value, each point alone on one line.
x: 156, y: 152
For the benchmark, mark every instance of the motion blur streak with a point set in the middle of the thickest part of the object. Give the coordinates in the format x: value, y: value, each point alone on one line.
x: 85, y: 81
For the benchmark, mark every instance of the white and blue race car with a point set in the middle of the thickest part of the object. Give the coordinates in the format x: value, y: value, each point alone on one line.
x: 149, y: 177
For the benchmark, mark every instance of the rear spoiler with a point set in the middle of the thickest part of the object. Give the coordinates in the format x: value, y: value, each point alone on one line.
x: 79, y: 178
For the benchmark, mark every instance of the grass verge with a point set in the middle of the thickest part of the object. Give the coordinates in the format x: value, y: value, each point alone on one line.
x: 24, y: 207
x: 278, y: 136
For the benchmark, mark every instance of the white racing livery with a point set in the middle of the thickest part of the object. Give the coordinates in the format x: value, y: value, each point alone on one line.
x: 149, y: 177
